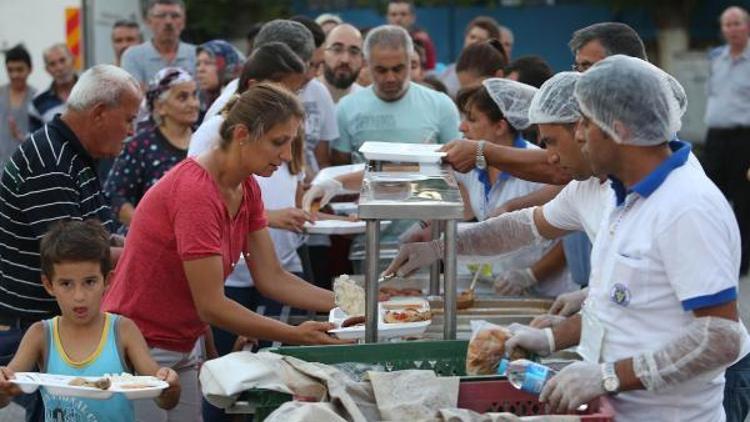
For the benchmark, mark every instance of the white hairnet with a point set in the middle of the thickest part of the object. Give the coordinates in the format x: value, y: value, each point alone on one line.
x: 679, y: 93
x: 634, y: 93
x: 513, y: 98
x: 554, y: 102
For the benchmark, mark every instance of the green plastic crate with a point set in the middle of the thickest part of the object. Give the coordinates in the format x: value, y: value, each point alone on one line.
x: 446, y: 358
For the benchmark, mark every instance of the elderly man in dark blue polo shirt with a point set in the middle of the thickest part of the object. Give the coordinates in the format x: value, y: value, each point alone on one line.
x: 52, y: 177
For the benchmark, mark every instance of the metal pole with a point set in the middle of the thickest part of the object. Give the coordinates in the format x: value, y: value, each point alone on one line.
x: 372, y: 255
x: 435, y: 268
x: 87, y: 34
x: 449, y: 313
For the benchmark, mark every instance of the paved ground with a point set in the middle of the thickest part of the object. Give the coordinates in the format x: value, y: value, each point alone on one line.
x: 14, y: 413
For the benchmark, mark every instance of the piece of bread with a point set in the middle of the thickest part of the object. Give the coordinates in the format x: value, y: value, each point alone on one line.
x: 349, y: 296
x: 485, y: 350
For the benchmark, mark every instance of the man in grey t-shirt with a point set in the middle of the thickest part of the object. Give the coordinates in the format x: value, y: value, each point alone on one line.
x: 727, y: 153
x: 166, y: 18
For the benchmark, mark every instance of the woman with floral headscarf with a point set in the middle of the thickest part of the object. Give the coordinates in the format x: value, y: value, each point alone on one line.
x: 218, y: 63
x: 172, y: 101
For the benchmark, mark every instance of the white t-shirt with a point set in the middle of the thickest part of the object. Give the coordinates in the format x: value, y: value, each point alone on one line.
x: 506, y: 188
x: 206, y: 136
x: 672, y: 247
x: 219, y: 103
x: 582, y: 205
x: 278, y: 192
x: 320, y: 120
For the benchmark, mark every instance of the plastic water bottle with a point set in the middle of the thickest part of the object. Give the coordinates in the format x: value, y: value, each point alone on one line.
x: 528, y: 376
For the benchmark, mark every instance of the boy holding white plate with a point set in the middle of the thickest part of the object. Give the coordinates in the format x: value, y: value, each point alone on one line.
x: 83, y: 341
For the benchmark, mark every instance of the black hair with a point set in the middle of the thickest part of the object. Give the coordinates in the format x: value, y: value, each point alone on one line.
x: 484, y: 58
x: 432, y: 81
x: 488, y: 24
x: 532, y: 70
x: 615, y: 38
x: 18, y: 53
x: 153, y: 3
x: 421, y: 52
x: 412, y: 9
x: 319, y: 36
x: 479, y: 98
x: 75, y: 241
x: 270, y: 61
x: 126, y: 23
x: 253, y: 31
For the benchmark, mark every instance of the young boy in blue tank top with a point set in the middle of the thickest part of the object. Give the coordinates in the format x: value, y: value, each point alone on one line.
x: 83, y: 341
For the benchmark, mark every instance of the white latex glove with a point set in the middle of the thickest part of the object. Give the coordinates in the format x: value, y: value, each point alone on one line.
x: 515, y: 282
x: 576, y: 384
x: 325, y: 189
x: 418, y: 232
x: 546, y: 320
x: 569, y: 303
x: 413, y: 256
x: 539, y: 341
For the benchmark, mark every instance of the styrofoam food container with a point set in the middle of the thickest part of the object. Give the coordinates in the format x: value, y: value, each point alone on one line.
x: 385, y: 331
x: 59, y: 385
x: 402, y: 152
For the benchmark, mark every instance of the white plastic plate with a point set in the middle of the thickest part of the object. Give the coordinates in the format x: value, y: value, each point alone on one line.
x: 385, y: 331
x: 344, y: 208
x: 402, y: 152
x: 397, y: 177
x: 334, y: 171
x: 138, y: 387
x: 340, y: 227
x: 59, y: 385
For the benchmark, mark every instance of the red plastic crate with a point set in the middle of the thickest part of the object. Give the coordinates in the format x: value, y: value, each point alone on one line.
x: 501, y: 396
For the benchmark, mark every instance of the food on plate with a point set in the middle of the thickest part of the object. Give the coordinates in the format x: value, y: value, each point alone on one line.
x: 486, y: 348
x: 353, y: 321
x: 403, y: 304
x: 406, y: 315
x: 349, y: 296
x: 101, y: 383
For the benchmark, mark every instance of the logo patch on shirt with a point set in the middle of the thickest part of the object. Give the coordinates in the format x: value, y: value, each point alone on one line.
x: 620, y: 294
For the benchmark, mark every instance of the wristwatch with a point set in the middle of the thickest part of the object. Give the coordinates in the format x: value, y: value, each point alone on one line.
x: 610, y: 382
x: 481, y: 162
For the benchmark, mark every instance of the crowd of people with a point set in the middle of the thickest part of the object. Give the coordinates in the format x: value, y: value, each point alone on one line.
x: 149, y: 207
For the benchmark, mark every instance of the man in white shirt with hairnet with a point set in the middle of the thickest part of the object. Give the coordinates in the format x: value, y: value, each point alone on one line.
x: 661, y: 315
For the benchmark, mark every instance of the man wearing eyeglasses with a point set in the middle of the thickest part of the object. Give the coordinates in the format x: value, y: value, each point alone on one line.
x: 342, y: 61
x: 601, y: 40
x: 166, y: 18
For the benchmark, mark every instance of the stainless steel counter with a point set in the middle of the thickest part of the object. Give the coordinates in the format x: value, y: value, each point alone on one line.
x: 429, y: 194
